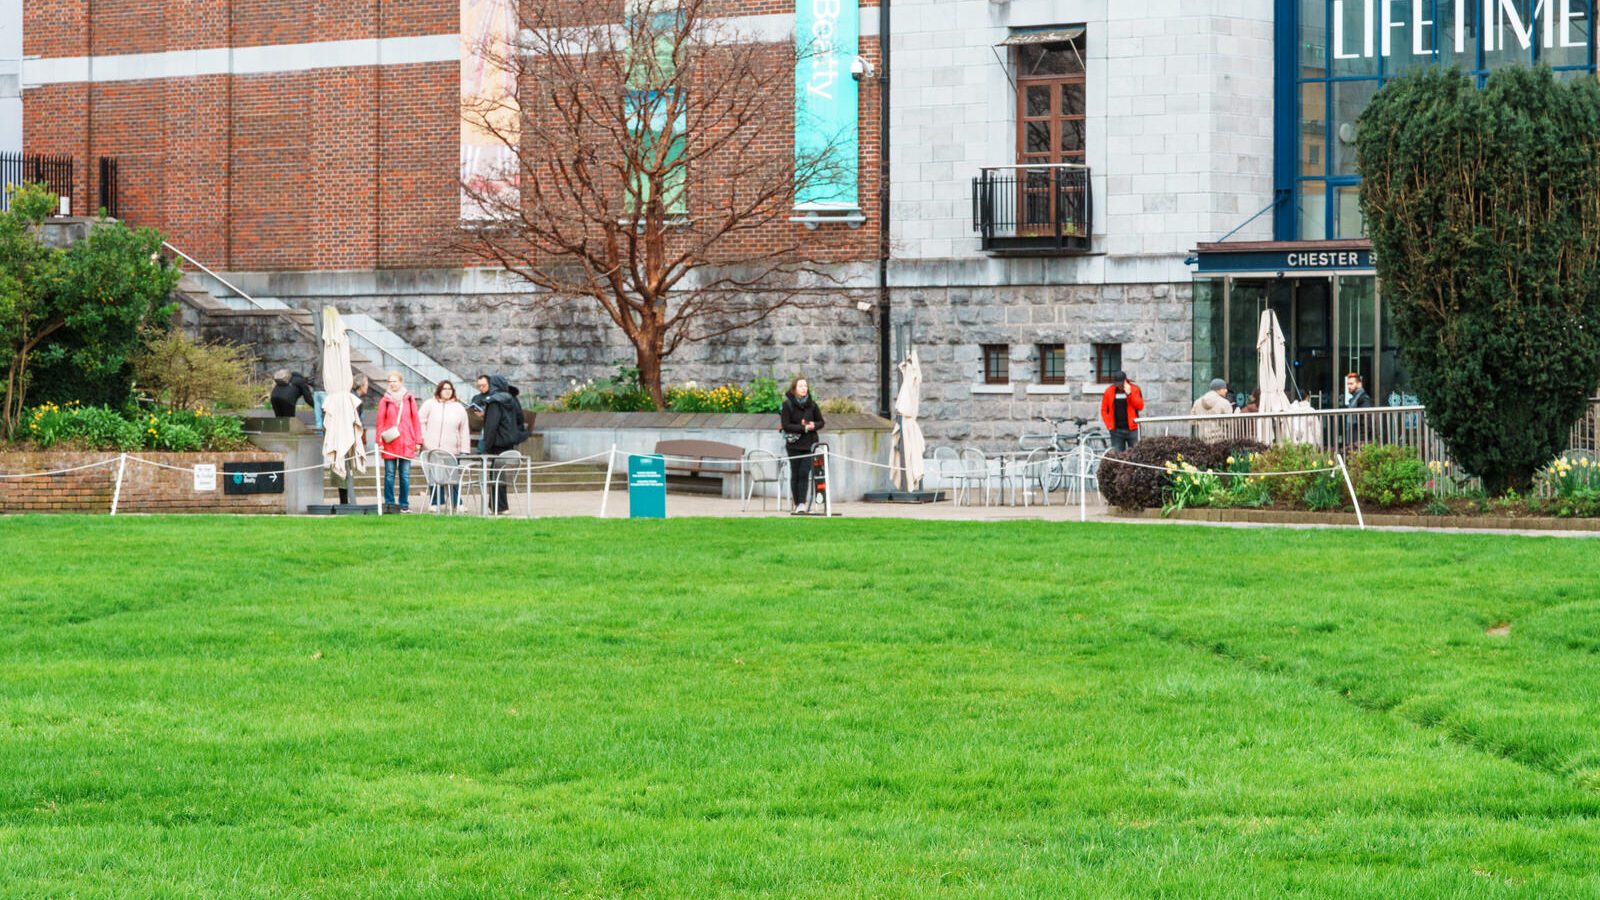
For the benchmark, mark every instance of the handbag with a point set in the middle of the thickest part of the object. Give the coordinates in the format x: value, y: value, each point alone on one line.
x: 392, y: 433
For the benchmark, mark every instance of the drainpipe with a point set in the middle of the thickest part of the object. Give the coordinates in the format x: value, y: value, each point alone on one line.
x: 884, y: 362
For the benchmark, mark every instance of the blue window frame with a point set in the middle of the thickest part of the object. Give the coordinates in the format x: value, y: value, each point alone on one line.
x: 1321, y: 86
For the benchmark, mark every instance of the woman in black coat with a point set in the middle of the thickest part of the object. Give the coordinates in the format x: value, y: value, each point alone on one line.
x: 801, y: 420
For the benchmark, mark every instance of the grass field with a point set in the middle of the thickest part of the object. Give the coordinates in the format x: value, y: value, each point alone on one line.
x: 413, y: 707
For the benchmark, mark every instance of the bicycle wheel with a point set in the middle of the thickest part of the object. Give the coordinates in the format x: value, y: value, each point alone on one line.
x: 1056, y: 475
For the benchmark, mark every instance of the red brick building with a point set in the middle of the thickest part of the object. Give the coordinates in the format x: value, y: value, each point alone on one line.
x: 292, y: 137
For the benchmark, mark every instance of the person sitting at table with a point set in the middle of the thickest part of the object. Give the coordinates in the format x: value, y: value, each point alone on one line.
x: 444, y: 427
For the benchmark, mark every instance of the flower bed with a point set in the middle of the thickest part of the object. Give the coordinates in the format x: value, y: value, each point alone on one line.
x: 1192, y: 474
x: 76, y: 427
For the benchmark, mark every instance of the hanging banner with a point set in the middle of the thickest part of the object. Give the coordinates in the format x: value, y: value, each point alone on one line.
x: 491, y: 182
x: 827, y: 132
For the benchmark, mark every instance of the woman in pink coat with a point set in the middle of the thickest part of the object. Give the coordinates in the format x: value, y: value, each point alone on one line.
x: 444, y: 427
x: 399, y: 438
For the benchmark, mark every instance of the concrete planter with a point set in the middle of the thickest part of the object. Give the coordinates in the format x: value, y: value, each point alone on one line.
x: 569, y: 436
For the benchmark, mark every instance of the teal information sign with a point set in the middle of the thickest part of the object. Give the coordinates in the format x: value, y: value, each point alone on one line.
x: 827, y: 134
x: 647, y: 487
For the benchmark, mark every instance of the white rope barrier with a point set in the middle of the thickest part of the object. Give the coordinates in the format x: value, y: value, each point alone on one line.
x: 94, y: 465
x: 1104, y: 458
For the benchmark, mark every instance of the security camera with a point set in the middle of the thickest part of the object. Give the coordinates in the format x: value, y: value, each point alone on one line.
x: 860, y: 68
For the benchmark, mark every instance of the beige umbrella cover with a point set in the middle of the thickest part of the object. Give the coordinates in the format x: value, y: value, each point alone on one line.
x: 907, y: 435
x: 1272, y: 376
x: 341, y: 418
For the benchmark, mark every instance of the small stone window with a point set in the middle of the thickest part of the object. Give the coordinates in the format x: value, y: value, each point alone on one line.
x: 1052, y: 364
x: 1107, y: 361
x: 996, y: 364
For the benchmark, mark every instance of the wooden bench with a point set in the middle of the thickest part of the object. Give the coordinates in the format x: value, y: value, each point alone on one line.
x: 703, y: 466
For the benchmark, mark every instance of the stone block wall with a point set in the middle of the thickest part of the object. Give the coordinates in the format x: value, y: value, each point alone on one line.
x: 1150, y: 321
x: 145, y: 488
x: 544, y: 347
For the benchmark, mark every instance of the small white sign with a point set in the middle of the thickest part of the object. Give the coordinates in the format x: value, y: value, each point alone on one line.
x: 205, y: 477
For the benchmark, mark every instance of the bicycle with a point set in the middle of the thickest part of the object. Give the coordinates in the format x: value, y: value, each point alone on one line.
x: 1093, y: 440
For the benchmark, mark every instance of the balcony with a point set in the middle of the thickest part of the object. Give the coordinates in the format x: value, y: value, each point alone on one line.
x: 1033, y: 209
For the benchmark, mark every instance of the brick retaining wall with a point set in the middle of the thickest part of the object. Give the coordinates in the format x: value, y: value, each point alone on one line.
x: 145, y: 488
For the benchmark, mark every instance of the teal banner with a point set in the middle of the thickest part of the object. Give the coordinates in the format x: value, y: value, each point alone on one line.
x: 827, y: 133
x: 647, y: 487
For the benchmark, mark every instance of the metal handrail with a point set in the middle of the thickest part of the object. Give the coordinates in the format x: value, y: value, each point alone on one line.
x: 1338, y: 411
x: 386, y: 354
x: 225, y: 282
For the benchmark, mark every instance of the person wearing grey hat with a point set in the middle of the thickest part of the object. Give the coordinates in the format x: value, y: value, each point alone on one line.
x: 1213, y: 402
x: 1119, y: 411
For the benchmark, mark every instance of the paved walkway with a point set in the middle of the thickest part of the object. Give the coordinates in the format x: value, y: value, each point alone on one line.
x: 587, y: 503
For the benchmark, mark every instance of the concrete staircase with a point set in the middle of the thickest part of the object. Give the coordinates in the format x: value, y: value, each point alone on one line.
x: 215, y: 307
x: 373, y: 340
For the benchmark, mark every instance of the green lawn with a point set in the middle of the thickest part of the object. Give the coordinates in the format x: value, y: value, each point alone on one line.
x: 411, y: 707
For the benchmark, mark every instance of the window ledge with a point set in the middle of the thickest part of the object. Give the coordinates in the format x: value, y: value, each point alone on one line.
x: 1050, y: 389
x: 1090, y: 387
x: 991, y: 389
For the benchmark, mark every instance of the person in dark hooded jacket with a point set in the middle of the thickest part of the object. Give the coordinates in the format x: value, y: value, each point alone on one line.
x: 800, y: 419
x: 288, y: 389
x: 502, y: 424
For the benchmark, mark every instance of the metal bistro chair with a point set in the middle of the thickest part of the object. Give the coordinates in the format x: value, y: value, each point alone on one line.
x: 946, y: 467
x: 974, y: 473
x: 507, y: 469
x: 760, y: 467
x: 441, y: 470
x: 1035, y: 471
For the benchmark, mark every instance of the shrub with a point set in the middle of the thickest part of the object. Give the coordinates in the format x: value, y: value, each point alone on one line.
x: 1291, y: 458
x: 1327, y: 491
x: 619, y: 393
x: 72, y: 319
x: 1388, y: 475
x: 764, y: 396
x: 99, y: 428
x: 179, y: 373
x: 842, y: 406
x: 1490, y: 267
x: 1136, y: 487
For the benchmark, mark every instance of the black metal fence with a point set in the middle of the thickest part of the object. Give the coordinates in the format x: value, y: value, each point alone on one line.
x: 56, y: 173
x: 1033, y: 209
x: 110, y: 193
x: 19, y: 168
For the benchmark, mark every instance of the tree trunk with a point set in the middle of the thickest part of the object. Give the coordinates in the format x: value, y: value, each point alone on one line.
x: 647, y: 352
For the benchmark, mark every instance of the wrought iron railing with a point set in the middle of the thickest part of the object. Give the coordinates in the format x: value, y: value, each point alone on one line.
x: 1033, y: 209
x: 110, y: 187
x: 55, y: 172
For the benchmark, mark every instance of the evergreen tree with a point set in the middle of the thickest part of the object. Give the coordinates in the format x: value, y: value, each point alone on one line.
x: 1484, y: 211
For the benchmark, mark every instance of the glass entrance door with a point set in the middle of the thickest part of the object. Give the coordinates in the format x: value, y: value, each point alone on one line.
x: 1304, y: 307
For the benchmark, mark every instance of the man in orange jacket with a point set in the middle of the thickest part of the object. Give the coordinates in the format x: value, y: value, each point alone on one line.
x: 1119, y: 410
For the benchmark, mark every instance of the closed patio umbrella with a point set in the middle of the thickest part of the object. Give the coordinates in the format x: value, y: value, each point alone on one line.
x: 341, y: 419
x: 907, y: 436
x: 1273, y: 376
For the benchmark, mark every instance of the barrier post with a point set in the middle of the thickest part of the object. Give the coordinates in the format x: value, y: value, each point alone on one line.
x: 605, y: 491
x: 1083, y: 483
x: 1360, y: 520
x: 116, y: 493
x: 377, y: 476
x: 827, y: 479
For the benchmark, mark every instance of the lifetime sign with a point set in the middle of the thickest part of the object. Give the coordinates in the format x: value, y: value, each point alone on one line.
x: 1554, y: 23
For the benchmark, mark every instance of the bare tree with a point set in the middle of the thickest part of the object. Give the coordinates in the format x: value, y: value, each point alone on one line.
x: 646, y: 165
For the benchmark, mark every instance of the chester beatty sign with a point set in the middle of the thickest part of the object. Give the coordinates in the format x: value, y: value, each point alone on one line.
x: 1285, y: 261
x: 1370, y: 29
